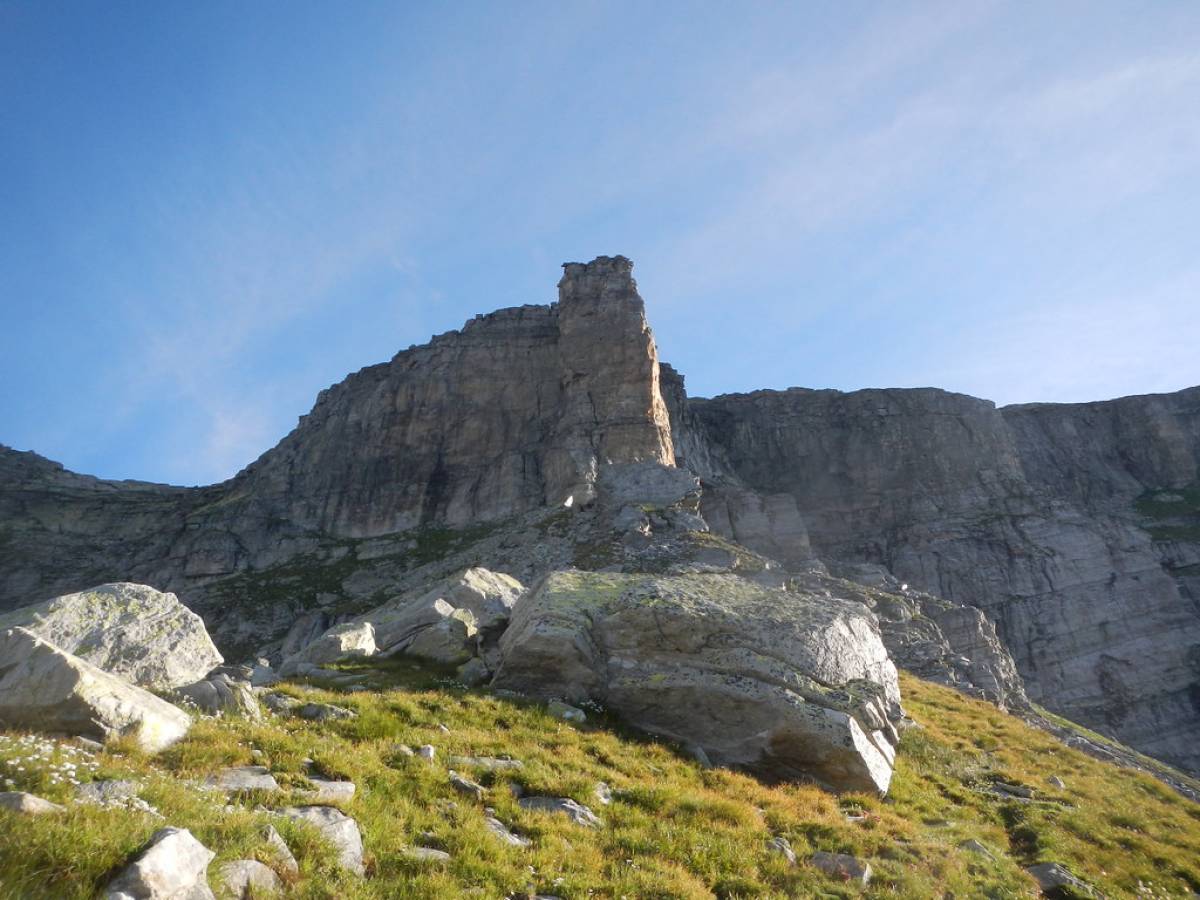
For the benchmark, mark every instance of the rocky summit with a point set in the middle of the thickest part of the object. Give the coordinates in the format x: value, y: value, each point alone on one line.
x: 622, y: 584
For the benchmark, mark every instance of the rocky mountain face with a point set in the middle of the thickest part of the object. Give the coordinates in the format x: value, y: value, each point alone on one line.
x: 542, y: 438
x: 1072, y: 526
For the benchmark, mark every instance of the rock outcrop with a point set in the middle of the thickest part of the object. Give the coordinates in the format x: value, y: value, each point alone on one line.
x: 44, y: 688
x: 1075, y: 529
x: 788, y: 685
x: 1046, y: 517
x: 132, y: 631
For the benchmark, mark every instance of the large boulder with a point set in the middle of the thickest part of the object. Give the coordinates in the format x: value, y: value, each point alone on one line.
x: 782, y: 683
x: 44, y: 688
x: 482, y: 597
x: 130, y: 630
x: 451, y: 622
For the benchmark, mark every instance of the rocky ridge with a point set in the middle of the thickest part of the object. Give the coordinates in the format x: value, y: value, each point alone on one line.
x: 512, y: 444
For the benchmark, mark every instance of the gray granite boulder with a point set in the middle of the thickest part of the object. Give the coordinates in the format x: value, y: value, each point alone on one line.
x: 779, y: 682
x: 129, y: 630
x: 172, y: 867
x: 44, y: 688
x: 337, y: 828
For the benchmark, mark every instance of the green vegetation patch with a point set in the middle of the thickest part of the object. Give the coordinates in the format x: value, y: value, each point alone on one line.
x: 672, y: 830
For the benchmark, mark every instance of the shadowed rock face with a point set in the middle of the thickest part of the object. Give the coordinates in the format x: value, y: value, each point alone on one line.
x: 1038, y: 514
x: 1076, y: 528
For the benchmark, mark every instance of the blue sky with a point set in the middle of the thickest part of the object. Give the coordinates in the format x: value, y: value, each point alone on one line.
x: 211, y: 211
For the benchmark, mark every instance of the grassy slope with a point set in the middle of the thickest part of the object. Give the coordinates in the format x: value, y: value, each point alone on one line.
x: 673, y: 829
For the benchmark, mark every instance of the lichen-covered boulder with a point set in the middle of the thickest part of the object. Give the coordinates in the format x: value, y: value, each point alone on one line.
x: 782, y: 683
x: 129, y: 630
x: 44, y: 688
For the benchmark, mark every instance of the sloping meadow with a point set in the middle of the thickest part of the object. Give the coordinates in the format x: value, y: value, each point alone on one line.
x: 671, y: 828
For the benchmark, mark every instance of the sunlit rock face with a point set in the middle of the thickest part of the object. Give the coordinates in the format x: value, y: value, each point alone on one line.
x: 516, y: 410
x: 1075, y: 528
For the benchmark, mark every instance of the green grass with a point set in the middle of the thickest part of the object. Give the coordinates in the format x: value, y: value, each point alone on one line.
x: 672, y: 831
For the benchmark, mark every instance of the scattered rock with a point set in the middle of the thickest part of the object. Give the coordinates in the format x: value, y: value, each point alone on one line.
x: 576, y: 812
x: 144, y: 636
x: 403, y: 750
x: 280, y: 703
x: 842, y: 865
x: 324, y: 712
x: 219, y: 694
x: 44, y: 688
x: 29, y: 804
x: 280, y: 850
x: 245, y: 878
x: 487, y: 763
x: 332, y: 791
x: 781, y: 846
x: 172, y: 867
x: 1055, y: 782
x: 467, y: 786
x: 107, y: 792
x: 243, y: 778
x: 498, y: 828
x: 336, y: 827
x: 974, y: 846
x: 1051, y: 876
x: 565, y: 711
x: 603, y: 793
x: 352, y: 640
x: 1013, y: 790
x: 426, y: 854
x: 426, y: 752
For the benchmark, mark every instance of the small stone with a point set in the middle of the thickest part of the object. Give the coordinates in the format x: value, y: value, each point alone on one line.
x: 443, y: 729
x: 279, y: 848
x: 403, y: 750
x: 426, y: 854
x: 467, y: 786
x: 244, y: 878
x: 426, y: 752
x: 974, y: 846
x: 488, y: 763
x: 576, y: 812
x: 498, y: 828
x: 1055, y: 782
x: 781, y: 846
x: 337, y: 828
x: 112, y: 790
x: 173, y: 865
x: 565, y: 711
x: 243, y: 778
x: 842, y: 865
x: 1051, y: 875
x: 29, y: 804
x: 1013, y: 790
x: 603, y: 793
x: 324, y: 712
x: 332, y: 791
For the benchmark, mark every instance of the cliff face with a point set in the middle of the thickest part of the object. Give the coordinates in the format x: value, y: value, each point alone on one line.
x: 515, y: 411
x: 1072, y: 526
x: 1076, y: 528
